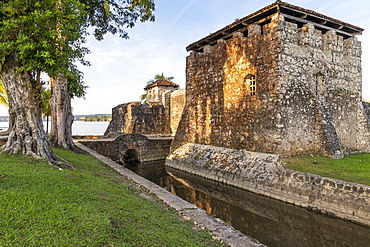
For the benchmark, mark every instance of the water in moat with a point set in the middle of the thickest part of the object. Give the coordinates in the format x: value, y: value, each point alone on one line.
x: 272, y: 222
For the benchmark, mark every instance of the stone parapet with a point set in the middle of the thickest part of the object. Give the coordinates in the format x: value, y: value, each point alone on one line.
x: 140, y: 119
x: 154, y: 118
x: 263, y: 174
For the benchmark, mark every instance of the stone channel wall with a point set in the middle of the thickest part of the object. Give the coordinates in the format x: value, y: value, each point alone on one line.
x: 307, y: 98
x: 263, y: 174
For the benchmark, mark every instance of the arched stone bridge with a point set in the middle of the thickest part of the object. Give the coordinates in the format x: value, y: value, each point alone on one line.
x: 131, y: 147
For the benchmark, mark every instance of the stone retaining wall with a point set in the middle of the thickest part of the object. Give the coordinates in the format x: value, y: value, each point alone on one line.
x: 263, y: 174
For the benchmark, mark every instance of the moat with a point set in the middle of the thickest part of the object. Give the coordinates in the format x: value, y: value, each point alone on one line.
x: 272, y: 222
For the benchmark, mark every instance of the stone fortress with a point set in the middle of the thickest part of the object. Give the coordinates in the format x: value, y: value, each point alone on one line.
x: 283, y: 80
x: 159, y: 116
x: 143, y: 132
x: 279, y: 82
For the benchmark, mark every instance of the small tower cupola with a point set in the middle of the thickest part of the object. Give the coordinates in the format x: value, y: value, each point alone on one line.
x: 155, y: 90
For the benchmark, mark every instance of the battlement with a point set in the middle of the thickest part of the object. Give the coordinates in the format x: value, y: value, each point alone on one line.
x: 288, y: 15
x: 277, y: 28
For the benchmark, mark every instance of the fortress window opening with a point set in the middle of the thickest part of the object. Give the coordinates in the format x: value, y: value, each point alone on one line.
x: 251, y: 81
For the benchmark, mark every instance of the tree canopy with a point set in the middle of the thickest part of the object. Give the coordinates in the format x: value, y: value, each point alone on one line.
x: 49, y: 36
x: 115, y: 16
x: 43, y: 35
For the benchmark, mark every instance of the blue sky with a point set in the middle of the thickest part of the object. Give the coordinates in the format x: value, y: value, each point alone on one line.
x: 121, y: 68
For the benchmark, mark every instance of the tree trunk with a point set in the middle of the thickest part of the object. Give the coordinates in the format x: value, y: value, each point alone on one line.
x: 47, y: 124
x: 26, y: 130
x: 61, y: 114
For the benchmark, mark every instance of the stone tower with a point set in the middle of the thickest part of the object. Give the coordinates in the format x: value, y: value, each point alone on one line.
x: 156, y: 90
x: 283, y: 80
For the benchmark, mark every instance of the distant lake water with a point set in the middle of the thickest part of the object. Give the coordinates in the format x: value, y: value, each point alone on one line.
x: 82, y: 128
x: 78, y: 127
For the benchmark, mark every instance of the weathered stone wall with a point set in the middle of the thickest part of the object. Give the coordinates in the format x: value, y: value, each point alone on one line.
x: 156, y: 118
x: 323, y: 70
x: 219, y: 110
x: 131, y: 146
x: 263, y: 174
x: 176, y: 108
x: 283, y: 224
x: 154, y: 94
x: 140, y: 119
x: 308, y: 92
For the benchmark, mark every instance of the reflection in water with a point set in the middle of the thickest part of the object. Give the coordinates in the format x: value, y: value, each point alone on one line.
x: 272, y: 222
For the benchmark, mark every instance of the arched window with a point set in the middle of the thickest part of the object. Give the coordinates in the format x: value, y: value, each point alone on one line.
x: 250, y: 81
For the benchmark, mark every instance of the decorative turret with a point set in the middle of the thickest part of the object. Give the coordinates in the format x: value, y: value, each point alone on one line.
x: 155, y: 90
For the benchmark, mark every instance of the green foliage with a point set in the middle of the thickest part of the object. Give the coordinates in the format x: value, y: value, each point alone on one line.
x: 49, y: 35
x: 143, y: 98
x: 3, y: 96
x: 89, y: 206
x: 43, y: 35
x: 112, y: 16
x: 45, y: 98
x: 76, y: 85
x: 352, y: 168
x: 97, y: 118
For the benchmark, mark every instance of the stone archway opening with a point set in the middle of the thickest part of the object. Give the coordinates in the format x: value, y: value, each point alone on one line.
x: 131, y: 156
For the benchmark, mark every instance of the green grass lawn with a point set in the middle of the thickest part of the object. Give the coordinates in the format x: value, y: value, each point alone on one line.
x: 92, y: 205
x: 352, y: 168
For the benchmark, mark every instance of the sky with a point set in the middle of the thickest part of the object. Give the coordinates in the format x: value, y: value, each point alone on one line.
x: 120, y: 68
